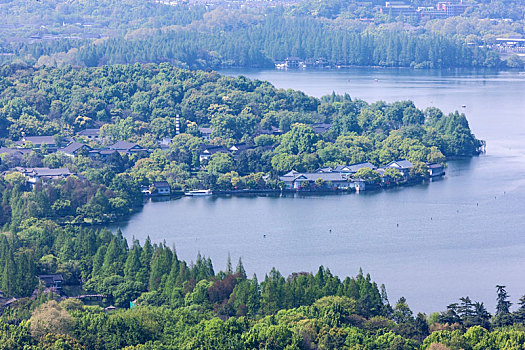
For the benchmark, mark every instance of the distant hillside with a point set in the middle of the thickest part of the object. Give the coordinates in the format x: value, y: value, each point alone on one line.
x: 94, y: 33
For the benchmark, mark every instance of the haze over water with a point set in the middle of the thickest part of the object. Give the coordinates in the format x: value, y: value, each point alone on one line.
x: 458, y: 236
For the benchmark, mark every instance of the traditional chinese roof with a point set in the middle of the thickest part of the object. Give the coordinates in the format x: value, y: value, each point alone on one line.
x: 321, y: 128
x: 161, y: 184
x: 401, y: 164
x: 327, y: 177
x: 89, y: 132
x: 74, y: 147
x: 353, y: 168
x: 37, y: 140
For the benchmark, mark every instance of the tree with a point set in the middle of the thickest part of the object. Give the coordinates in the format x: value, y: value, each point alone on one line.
x: 419, y: 171
x: 123, y: 129
x: 514, y: 61
x: 519, y: 315
x: 50, y: 318
x: 300, y: 139
x: 368, y: 175
x: 160, y: 267
x: 421, y: 326
x: 451, y: 315
x: 438, y: 346
x: 396, y: 111
x: 412, y: 115
x: 393, y: 175
x: 59, y: 342
x: 229, y: 268
x: 435, y: 156
x: 433, y: 115
x: 466, y: 311
x: 15, y: 178
x: 335, y: 311
x: 503, y: 317
x: 132, y: 266
x: 272, y: 292
x: 113, y: 259
x: 228, y: 126
x: 481, y: 315
x: 199, y: 295
x: 220, y: 163
x: 332, y: 339
x: 9, y: 283
x: 239, y: 270
x: 253, y: 300
x: 387, y: 308
x: 503, y: 304
x: 479, y: 338
x: 402, y: 313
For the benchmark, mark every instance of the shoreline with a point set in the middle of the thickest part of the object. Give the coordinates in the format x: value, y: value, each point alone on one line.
x: 370, y: 188
x: 351, y: 67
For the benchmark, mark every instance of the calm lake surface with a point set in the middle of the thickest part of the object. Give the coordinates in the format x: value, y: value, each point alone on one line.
x: 458, y: 236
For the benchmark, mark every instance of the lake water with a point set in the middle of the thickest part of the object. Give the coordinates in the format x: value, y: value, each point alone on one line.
x: 458, y: 236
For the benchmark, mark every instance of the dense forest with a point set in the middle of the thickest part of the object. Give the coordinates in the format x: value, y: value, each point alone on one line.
x: 94, y: 33
x: 276, y: 38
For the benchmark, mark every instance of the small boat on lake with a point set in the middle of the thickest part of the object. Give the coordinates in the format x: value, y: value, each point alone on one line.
x: 196, y: 193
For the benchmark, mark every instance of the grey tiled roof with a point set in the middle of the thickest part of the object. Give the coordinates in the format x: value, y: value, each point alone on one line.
x: 15, y: 151
x: 44, y: 171
x: 159, y: 184
x: 52, y: 172
x: 206, y: 130
x: 103, y: 151
x: 328, y: 177
x: 89, y: 132
x: 291, y: 173
x: 53, y: 277
x: 321, y: 128
x: 240, y: 147
x: 401, y: 163
x: 73, y: 147
x: 124, y: 146
x: 213, y: 149
x: 37, y: 140
x: 354, y: 167
x: 435, y: 166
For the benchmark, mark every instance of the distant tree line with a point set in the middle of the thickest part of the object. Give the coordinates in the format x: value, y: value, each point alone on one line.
x: 259, y: 43
x: 191, y: 36
x: 276, y: 38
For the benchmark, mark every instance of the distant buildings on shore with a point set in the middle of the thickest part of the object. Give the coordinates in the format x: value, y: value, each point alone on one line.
x: 342, y: 177
x: 441, y: 10
x: 510, y: 46
x: 50, y: 144
x: 392, y: 9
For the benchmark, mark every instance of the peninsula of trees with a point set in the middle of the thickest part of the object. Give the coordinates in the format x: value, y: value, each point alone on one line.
x: 271, y: 131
